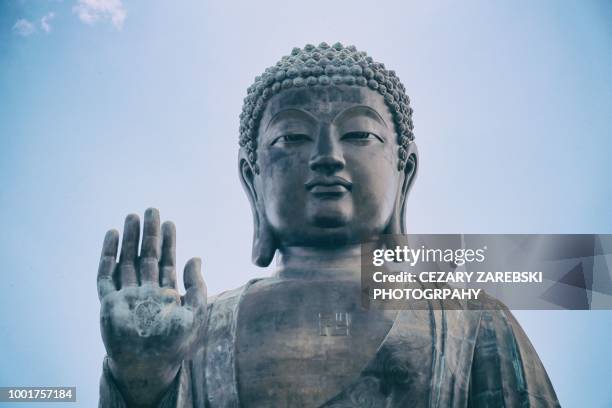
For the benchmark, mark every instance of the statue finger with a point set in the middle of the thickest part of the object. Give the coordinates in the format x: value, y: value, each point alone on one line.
x: 168, y: 256
x: 151, y: 247
x: 195, y: 297
x: 108, y: 262
x: 129, y: 251
x: 148, y: 269
x: 151, y: 235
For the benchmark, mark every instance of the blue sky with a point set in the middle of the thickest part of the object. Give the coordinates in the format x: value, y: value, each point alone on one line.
x: 108, y: 107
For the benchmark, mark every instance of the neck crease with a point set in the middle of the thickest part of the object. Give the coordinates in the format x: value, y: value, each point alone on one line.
x: 319, y: 263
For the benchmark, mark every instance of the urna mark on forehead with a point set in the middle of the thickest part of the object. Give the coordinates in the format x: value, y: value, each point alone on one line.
x: 325, y: 66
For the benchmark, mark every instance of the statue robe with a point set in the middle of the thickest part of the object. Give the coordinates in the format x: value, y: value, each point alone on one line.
x: 429, y: 358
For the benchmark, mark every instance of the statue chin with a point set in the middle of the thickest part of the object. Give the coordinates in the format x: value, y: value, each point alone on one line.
x: 334, y: 217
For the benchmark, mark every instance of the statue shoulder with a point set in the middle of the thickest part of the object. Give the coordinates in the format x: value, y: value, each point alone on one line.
x: 225, y: 296
x: 505, y: 359
x: 233, y: 295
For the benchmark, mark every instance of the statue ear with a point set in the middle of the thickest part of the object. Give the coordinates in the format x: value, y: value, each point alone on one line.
x: 397, y: 224
x: 264, y: 242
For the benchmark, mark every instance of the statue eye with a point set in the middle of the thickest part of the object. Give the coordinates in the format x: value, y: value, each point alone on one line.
x: 291, y: 139
x: 361, y: 137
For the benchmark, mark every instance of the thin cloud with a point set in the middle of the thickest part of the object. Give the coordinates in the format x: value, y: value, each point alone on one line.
x: 45, y: 22
x: 92, y: 11
x: 24, y: 28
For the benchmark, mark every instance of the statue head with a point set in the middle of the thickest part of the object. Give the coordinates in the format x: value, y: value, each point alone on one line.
x: 327, y: 155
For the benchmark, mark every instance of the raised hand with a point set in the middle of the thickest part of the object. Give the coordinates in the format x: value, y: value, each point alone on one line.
x: 147, y: 327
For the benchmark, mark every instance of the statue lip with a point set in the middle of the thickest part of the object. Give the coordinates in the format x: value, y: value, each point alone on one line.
x: 330, y: 185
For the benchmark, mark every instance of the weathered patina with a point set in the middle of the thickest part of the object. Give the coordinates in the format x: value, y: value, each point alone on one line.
x: 327, y: 159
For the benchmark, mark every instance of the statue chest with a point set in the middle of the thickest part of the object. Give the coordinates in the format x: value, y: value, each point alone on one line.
x: 299, y: 343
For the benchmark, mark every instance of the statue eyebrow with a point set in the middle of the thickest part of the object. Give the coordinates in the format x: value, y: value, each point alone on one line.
x: 366, y: 109
x: 289, y: 111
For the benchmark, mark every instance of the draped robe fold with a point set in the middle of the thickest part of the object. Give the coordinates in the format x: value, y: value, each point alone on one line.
x: 429, y: 358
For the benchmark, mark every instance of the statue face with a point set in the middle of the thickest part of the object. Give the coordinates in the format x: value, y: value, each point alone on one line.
x: 328, y: 160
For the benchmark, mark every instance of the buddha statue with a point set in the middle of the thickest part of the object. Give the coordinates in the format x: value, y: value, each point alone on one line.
x: 327, y: 158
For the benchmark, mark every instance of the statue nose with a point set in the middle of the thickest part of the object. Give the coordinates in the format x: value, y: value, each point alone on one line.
x: 326, y: 164
x: 327, y: 155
